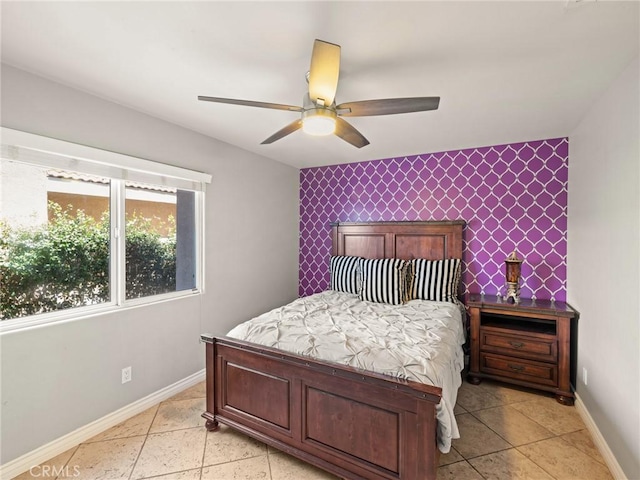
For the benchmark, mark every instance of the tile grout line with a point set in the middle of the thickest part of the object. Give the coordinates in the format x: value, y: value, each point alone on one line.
x: 171, y: 473
x: 167, y: 431
x: 598, y: 459
x: 493, y: 431
x: 514, y: 447
x: 234, y: 461
x: 146, y: 437
x: 490, y: 453
x: 535, y: 463
x: 176, y: 430
x: 584, y: 453
x: 204, y: 450
x: 506, y: 440
x: 476, y: 470
x: 528, y: 417
x: 269, y: 462
x: 206, y: 436
x: 75, y: 449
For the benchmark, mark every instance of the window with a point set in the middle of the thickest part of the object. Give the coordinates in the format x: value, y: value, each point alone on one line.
x: 54, y: 252
x: 83, y: 230
x: 160, y: 240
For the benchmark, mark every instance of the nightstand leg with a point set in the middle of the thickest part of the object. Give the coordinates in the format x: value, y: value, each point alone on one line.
x: 564, y: 400
x: 473, y: 380
x: 212, y: 425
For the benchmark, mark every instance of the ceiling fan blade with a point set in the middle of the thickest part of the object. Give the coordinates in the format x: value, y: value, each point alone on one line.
x: 324, y: 72
x: 349, y: 134
x: 249, y: 103
x: 283, y: 132
x: 387, y: 106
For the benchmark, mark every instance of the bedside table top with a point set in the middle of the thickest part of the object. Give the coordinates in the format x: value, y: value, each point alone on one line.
x: 526, y: 304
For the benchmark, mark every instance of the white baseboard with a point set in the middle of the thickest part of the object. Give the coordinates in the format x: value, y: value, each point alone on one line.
x: 64, y: 443
x: 599, y: 441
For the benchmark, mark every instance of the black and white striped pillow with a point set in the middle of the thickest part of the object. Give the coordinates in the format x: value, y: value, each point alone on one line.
x: 383, y: 280
x: 344, y: 274
x: 436, y: 280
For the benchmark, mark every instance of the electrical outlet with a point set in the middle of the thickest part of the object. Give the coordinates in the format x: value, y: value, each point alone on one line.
x: 584, y: 375
x: 126, y: 374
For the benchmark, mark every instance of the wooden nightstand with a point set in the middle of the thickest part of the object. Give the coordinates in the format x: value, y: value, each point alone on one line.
x: 528, y: 344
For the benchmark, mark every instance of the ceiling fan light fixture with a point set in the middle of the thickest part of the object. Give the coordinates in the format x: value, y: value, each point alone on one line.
x: 319, y: 121
x: 320, y: 114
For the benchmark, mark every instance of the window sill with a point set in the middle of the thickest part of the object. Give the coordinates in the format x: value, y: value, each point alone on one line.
x: 17, y: 325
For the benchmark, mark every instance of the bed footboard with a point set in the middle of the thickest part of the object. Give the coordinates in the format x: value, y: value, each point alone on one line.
x: 351, y: 423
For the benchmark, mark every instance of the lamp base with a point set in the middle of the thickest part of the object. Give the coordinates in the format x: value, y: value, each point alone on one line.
x: 513, y: 293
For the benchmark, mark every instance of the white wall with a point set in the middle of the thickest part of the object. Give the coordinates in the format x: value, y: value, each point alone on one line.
x: 58, y: 378
x: 603, y: 263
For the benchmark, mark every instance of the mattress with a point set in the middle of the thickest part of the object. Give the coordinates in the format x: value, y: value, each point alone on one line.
x: 420, y: 341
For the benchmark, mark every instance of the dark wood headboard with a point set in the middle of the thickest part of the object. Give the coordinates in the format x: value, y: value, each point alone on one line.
x: 405, y: 240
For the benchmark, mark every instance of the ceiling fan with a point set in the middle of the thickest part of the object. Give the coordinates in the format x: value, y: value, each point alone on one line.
x: 319, y: 113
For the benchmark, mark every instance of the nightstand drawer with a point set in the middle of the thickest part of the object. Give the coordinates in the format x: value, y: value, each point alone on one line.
x: 494, y: 340
x: 525, y: 370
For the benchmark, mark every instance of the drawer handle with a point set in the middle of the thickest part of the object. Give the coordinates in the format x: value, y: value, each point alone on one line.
x: 516, y: 344
x: 517, y: 368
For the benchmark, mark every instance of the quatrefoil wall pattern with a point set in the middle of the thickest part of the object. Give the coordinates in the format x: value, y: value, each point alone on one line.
x: 511, y: 196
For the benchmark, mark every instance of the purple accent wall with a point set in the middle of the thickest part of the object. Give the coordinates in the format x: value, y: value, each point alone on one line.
x: 511, y: 196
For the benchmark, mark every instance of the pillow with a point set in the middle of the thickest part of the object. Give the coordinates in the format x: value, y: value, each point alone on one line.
x: 436, y: 280
x: 408, y: 281
x: 344, y: 274
x: 383, y: 280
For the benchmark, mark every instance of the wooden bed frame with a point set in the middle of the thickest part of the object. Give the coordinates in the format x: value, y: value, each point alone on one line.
x: 352, y: 423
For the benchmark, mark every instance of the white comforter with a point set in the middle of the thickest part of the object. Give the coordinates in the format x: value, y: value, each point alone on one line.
x: 420, y: 341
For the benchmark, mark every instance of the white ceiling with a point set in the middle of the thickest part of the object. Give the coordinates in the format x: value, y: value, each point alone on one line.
x: 505, y: 71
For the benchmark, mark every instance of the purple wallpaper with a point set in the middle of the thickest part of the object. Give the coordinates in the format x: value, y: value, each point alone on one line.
x: 511, y: 196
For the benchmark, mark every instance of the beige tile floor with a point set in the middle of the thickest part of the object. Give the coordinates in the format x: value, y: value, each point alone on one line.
x: 506, y: 433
